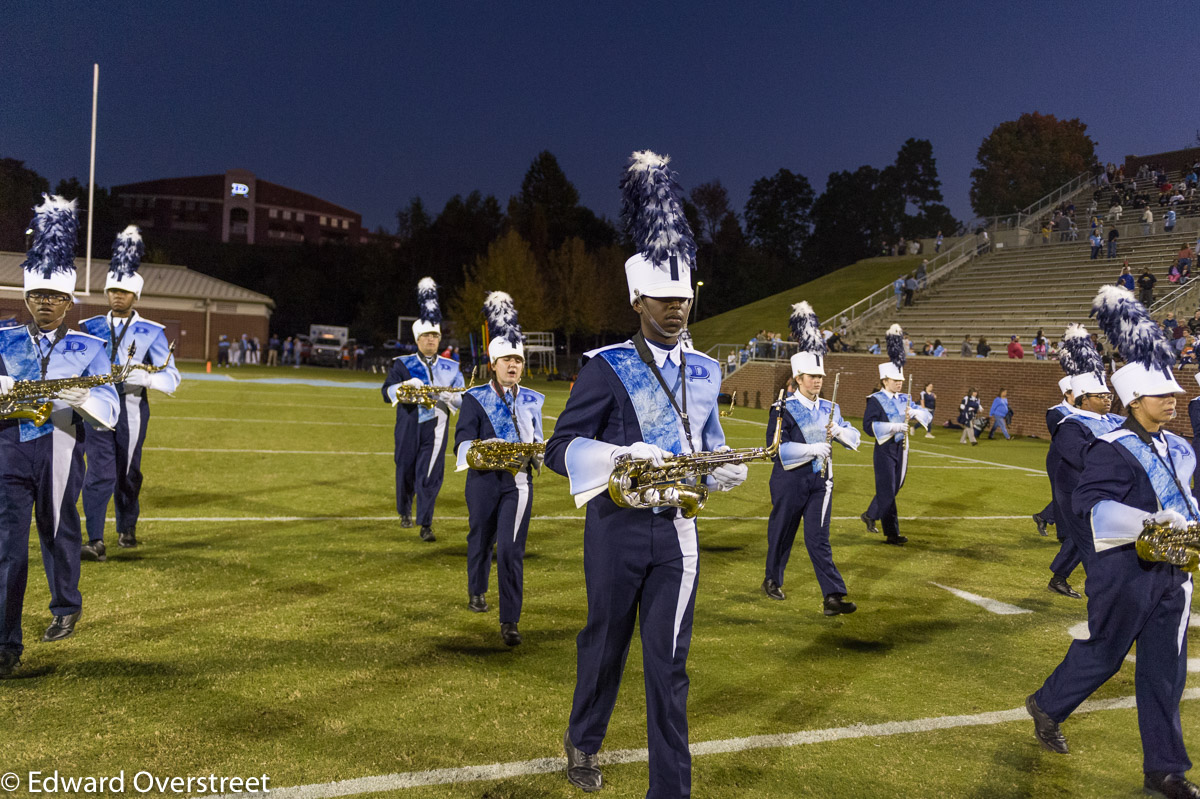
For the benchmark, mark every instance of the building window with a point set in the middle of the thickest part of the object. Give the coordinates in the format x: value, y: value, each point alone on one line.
x: 287, y: 214
x: 324, y: 220
x: 273, y: 213
x: 299, y: 216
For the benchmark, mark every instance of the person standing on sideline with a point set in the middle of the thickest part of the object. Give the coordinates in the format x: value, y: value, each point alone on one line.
x: 802, y: 476
x: 499, y: 502
x: 929, y: 403
x: 114, y: 457
x: 273, y: 350
x: 43, y: 464
x: 420, y: 452
x: 887, y: 418
x: 1135, y: 474
x: 967, y: 409
x: 999, y: 414
x: 645, y: 399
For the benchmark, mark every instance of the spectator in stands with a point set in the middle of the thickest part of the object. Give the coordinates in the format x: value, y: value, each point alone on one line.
x: 938, y: 350
x: 1045, y: 232
x: 967, y: 409
x: 1113, y: 235
x: 1169, y: 324
x: 1188, y: 354
x: 1173, y: 273
x: 1185, y: 256
x: 967, y: 348
x: 898, y: 287
x: 982, y: 349
x: 1193, y: 324
x: 929, y: 401
x: 910, y: 288
x: 1015, y: 350
x: 1145, y: 284
x: 922, y: 275
x: 1097, y: 243
x: 1114, y: 213
x: 1125, y: 280
x: 937, y: 243
x: 1040, y: 346
x: 875, y: 348
x: 1169, y: 221
x: 908, y: 345
x: 730, y: 363
x: 1000, y: 415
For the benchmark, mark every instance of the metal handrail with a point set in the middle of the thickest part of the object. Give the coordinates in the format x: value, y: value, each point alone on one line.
x: 1172, y: 299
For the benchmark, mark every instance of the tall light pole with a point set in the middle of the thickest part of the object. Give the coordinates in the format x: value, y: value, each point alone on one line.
x: 696, y: 301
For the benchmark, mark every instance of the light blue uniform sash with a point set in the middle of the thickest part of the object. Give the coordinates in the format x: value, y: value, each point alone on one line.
x: 656, y: 417
x: 1161, y: 480
x: 812, y: 423
x: 445, y: 373
x: 1098, y: 427
x: 894, y: 408
x: 72, y: 356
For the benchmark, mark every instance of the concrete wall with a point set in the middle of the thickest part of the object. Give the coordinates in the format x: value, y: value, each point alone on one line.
x: 1032, y: 386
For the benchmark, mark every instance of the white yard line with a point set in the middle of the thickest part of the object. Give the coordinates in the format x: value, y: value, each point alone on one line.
x: 549, y: 765
x: 991, y: 605
x: 265, y: 451
x: 580, y: 518
x: 977, y: 460
x: 227, y: 420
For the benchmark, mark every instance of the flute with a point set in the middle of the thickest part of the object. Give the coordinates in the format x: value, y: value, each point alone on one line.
x: 829, y: 426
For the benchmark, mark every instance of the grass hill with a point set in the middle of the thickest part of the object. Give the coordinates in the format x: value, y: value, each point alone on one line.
x: 827, y: 294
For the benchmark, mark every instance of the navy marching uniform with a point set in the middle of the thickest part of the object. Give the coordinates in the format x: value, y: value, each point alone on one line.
x: 884, y: 419
x: 1075, y: 436
x: 1194, y: 418
x: 1046, y: 516
x: 114, y: 458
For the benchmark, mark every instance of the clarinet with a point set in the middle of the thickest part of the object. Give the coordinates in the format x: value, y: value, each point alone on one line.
x: 829, y: 425
x: 907, y: 424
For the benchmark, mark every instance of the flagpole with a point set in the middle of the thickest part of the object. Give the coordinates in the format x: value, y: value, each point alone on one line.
x: 87, y: 280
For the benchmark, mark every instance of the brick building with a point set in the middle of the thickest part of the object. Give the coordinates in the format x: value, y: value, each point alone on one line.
x: 194, y: 307
x: 237, y: 207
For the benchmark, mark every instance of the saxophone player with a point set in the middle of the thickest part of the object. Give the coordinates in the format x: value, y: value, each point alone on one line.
x: 802, y: 477
x: 887, y: 418
x: 114, y: 458
x: 42, y: 466
x: 1136, y: 473
x: 646, y: 398
x: 420, y: 452
x: 499, y: 503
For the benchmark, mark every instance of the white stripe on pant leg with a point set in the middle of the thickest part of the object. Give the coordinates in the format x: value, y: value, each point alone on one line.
x: 685, y: 531
x: 828, y: 500
x: 522, y: 479
x: 903, y: 465
x: 1186, y: 615
x: 62, y: 447
x: 133, y: 409
x: 439, y: 432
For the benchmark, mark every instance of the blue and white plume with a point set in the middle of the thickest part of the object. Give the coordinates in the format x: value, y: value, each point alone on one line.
x: 894, y: 368
x: 429, y: 312
x: 503, y: 328
x: 128, y: 250
x: 1082, y: 363
x: 1139, y: 341
x: 806, y: 332
x: 50, y: 262
x: 654, y: 219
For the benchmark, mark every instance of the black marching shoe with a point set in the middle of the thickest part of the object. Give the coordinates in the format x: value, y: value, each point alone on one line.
x: 427, y: 533
x: 8, y: 663
x: 93, y: 551
x: 477, y: 604
x: 1059, y: 585
x: 1041, y: 523
x: 870, y: 523
x: 896, y: 540
x: 836, y: 603
x: 772, y: 589
x: 405, y: 520
x: 128, y: 539
x: 1172, y: 786
x: 1046, y: 729
x: 582, y: 771
x: 61, y: 627
x: 508, y: 631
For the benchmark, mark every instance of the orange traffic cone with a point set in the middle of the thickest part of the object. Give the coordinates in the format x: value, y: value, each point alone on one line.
x: 208, y: 367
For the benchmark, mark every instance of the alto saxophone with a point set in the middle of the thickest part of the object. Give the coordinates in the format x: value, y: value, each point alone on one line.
x: 1167, y: 544
x: 31, y: 399
x: 638, y: 483
x: 509, y: 455
x: 151, y: 368
x: 425, y: 396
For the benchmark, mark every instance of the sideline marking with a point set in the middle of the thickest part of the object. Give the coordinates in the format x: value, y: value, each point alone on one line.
x: 548, y: 765
x: 992, y: 605
x: 1041, y: 472
x: 532, y: 518
x: 227, y: 420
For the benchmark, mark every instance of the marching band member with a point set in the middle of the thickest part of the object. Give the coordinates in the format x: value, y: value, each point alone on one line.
x: 114, y: 457
x: 802, y: 478
x: 1045, y: 517
x: 1194, y: 418
x: 1089, y: 419
x: 1131, y: 475
x: 420, y: 431
x: 887, y: 419
x: 42, y: 466
x: 499, y: 503
x: 647, y: 399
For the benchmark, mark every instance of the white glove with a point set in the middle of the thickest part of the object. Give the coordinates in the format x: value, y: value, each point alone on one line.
x: 641, y: 451
x: 817, y: 451
x: 896, y: 427
x: 731, y: 475
x: 76, y: 397
x: 138, y: 377
x: 841, y: 434
x: 6, y: 384
x: 447, y: 397
x: 414, y: 381
x: 1172, y: 518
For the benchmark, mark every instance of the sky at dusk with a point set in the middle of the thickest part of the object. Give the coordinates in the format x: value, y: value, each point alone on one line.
x: 370, y: 104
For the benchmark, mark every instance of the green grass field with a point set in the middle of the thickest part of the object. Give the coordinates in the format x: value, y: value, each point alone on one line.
x: 828, y: 295
x: 278, y: 620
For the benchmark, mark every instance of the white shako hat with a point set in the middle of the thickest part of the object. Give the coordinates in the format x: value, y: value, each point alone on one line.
x: 655, y: 221
x: 50, y: 262
x: 128, y: 250
x: 429, y: 313
x: 1064, y: 384
x: 1141, y: 344
x: 806, y: 332
x: 894, y: 367
x: 1082, y: 363
x: 503, y: 330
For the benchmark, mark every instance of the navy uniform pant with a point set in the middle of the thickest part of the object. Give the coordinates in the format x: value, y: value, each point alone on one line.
x: 1131, y: 600
x: 498, y: 507
x: 889, y: 476
x: 41, y: 478
x: 114, y: 468
x: 1067, y: 559
x: 1047, y: 513
x: 420, y: 465
x: 639, y: 565
x: 801, y: 495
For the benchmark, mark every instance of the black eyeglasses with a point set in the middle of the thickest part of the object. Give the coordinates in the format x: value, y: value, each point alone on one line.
x: 49, y: 299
